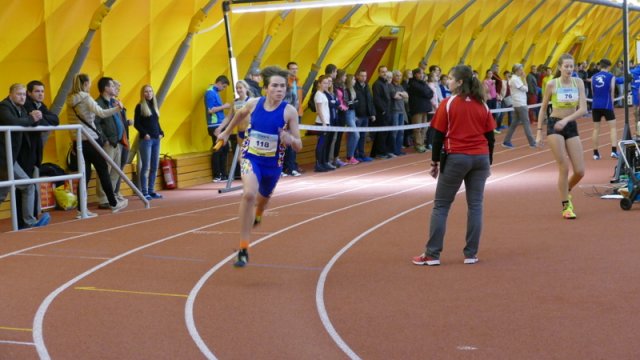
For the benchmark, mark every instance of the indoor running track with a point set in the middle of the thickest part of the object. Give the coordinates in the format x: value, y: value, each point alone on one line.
x: 330, y: 275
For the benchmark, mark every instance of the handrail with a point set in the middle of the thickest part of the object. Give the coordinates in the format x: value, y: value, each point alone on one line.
x: 12, y: 182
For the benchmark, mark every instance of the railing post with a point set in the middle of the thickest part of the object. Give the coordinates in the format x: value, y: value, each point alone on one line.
x: 11, y: 177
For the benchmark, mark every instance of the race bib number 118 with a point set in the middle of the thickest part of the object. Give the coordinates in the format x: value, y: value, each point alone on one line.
x: 261, y: 144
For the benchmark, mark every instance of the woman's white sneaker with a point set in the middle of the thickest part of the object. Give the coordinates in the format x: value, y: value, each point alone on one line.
x: 471, y: 260
x: 89, y: 215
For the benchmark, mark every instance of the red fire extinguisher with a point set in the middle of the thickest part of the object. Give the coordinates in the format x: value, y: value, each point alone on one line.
x: 167, y: 172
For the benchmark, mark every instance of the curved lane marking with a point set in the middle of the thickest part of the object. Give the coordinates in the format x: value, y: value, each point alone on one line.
x: 189, y: 319
x: 320, y: 304
x: 38, y: 321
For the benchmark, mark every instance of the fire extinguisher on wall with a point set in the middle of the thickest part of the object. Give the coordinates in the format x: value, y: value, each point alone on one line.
x: 167, y: 172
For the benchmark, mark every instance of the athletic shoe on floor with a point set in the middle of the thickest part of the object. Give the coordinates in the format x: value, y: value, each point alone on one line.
x: 295, y: 173
x: 44, y: 220
x: 366, y: 159
x: 471, y: 260
x: 568, y: 213
x: 353, y: 161
x: 508, y: 145
x: 596, y: 157
x: 155, y: 195
x: 242, y: 258
x: 614, y: 155
x: 425, y: 260
x: 257, y: 221
x: 119, y: 206
x: 89, y: 215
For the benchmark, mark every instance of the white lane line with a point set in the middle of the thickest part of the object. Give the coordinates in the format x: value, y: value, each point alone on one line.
x: 320, y: 304
x: 38, y: 320
x: 67, y: 256
x: 175, y: 258
x: 106, y: 230
x: 188, y: 312
x: 2, y: 256
x: 10, y: 342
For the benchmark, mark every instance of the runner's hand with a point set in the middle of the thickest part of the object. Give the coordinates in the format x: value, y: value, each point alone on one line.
x: 285, y: 137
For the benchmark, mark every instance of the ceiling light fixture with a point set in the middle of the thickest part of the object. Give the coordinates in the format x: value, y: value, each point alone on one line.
x: 305, y: 5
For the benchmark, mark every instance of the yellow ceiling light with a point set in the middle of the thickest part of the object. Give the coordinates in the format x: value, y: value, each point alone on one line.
x: 306, y: 5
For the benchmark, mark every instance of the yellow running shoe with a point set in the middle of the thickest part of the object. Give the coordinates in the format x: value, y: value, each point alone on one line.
x: 568, y: 213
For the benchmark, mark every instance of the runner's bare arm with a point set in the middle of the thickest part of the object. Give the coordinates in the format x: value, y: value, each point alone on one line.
x: 241, y: 116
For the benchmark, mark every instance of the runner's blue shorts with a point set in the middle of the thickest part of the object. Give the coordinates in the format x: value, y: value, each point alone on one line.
x: 267, y: 176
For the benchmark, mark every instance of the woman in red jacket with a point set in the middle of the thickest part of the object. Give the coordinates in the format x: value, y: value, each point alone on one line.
x: 463, y: 128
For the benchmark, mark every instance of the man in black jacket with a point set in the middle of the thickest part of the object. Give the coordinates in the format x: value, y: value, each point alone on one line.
x: 30, y: 158
x: 113, y: 130
x: 13, y: 113
x: 382, y: 103
x: 365, y: 112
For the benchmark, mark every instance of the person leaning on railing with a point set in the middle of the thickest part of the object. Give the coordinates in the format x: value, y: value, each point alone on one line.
x: 13, y: 113
x: 82, y: 110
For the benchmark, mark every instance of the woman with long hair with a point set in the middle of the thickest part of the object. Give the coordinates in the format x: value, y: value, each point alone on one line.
x: 491, y: 93
x: 350, y: 119
x: 83, y: 110
x: 244, y: 94
x: 567, y: 96
x: 463, y: 128
x: 147, y: 121
x: 341, y: 119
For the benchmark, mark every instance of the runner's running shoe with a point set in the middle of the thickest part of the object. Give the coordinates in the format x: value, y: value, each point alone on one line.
x: 242, y: 258
x: 568, y: 213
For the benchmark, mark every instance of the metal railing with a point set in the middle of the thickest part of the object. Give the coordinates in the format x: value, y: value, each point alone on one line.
x: 80, y: 174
